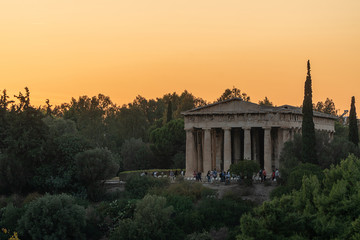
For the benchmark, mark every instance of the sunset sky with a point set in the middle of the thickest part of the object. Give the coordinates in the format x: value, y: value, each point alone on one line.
x: 67, y: 48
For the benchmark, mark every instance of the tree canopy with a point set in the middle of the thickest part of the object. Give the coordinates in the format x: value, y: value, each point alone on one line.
x: 326, y: 107
x: 265, y: 102
x: 233, y: 93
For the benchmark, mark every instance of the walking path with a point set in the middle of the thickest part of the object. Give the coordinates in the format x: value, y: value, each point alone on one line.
x: 258, y: 192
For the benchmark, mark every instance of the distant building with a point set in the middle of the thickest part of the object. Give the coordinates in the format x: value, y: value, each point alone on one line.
x: 226, y: 132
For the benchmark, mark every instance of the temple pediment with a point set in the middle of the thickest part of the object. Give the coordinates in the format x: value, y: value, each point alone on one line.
x: 238, y: 106
x: 231, y: 106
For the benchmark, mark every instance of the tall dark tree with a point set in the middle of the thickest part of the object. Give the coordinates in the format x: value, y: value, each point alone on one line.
x: 308, y: 128
x: 353, y: 128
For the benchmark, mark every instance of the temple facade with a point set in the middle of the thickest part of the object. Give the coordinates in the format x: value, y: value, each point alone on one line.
x: 223, y: 133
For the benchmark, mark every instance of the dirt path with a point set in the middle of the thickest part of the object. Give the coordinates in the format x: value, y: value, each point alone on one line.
x: 257, y: 193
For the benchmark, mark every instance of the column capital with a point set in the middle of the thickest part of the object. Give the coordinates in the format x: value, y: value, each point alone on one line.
x: 226, y: 128
x: 207, y: 128
x: 189, y: 129
x: 266, y: 128
x: 246, y: 128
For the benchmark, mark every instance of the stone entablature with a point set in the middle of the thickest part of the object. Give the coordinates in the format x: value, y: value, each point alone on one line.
x: 225, y: 132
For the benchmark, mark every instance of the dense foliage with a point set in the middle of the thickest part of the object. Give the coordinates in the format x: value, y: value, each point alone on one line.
x: 54, y: 160
x: 56, y: 149
x: 327, y: 209
x: 53, y: 217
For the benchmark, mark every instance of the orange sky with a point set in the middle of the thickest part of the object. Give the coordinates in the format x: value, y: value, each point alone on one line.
x: 67, y: 48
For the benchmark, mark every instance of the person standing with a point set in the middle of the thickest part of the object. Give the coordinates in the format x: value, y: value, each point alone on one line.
x: 264, y: 174
x: 277, y: 175
x: 261, y: 175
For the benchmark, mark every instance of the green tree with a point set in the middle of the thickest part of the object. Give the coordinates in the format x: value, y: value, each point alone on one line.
x: 326, y: 107
x: 308, y: 128
x: 90, y: 115
x: 138, y: 186
x: 22, y: 145
x: 57, y: 173
x: 136, y: 155
x: 151, y: 221
x: 186, y: 102
x: 53, y: 217
x: 245, y: 168
x: 320, y: 209
x: 132, y: 123
x: 93, y: 167
x: 266, y: 102
x: 233, y: 93
x: 353, y: 127
x: 167, y: 141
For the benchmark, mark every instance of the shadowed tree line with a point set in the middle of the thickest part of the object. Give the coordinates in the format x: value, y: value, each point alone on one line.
x: 68, y: 151
x: 46, y: 146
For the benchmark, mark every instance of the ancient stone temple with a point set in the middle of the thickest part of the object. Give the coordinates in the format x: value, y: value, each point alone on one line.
x: 223, y: 133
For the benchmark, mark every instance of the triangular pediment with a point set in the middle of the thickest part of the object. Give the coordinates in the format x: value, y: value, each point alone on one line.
x: 235, y: 105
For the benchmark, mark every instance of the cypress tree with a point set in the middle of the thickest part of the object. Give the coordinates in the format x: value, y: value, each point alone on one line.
x: 308, y: 128
x: 169, y: 112
x: 353, y: 128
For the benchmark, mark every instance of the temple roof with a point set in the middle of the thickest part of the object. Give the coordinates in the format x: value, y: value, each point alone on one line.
x: 238, y: 106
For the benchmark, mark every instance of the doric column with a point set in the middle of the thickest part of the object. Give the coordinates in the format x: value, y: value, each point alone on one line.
x: 286, y: 135
x: 219, y: 147
x: 247, y: 143
x: 213, y: 148
x: 267, y: 150
x: 199, y: 151
x: 237, y: 153
x: 207, y: 150
x: 255, y: 145
x: 227, y: 148
x: 280, y: 146
x: 190, y: 153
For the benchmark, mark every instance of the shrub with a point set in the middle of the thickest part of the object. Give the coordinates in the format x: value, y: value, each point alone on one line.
x: 222, y: 212
x: 194, y: 191
x: 297, y: 174
x: 279, y: 191
x: 136, y: 154
x: 53, y: 217
x: 9, y: 217
x: 92, y: 168
x: 94, y: 228
x: 138, y: 186
x: 245, y: 168
x: 151, y: 221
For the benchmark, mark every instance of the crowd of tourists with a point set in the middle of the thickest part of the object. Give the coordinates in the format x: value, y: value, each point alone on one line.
x: 222, y: 176
x: 274, y: 176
